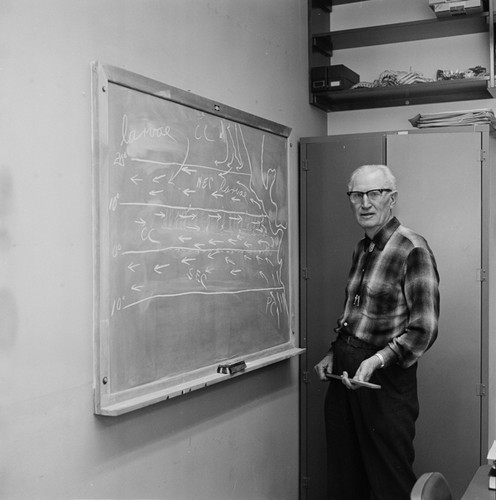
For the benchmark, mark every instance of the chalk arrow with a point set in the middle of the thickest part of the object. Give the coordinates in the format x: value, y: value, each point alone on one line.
x: 132, y: 266
x: 218, y: 216
x: 157, y: 179
x: 214, y: 242
x: 232, y: 241
x: 229, y: 261
x: 160, y: 214
x: 158, y: 268
x: 237, y: 218
x: 234, y: 272
x: 187, y: 260
x: 217, y: 195
x: 185, y: 238
x: 140, y: 221
x: 136, y: 179
x: 187, y: 192
x: 137, y: 288
x: 155, y: 192
x: 189, y: 171
x: 256, y: 203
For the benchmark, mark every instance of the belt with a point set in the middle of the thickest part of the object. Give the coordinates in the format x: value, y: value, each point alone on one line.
x: 355, y: 341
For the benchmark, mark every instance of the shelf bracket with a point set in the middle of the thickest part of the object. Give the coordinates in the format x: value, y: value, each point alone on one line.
x: 323, y: 43
x: 491, y: 47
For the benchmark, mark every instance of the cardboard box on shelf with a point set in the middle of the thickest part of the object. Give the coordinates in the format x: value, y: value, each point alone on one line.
x: 456, y: 8
x: 336, y: 77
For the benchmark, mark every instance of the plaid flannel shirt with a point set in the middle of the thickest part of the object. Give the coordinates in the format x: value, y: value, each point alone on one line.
x: 392, y: 296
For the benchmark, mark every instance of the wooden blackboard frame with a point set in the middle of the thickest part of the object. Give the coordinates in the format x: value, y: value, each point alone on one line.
x: 106, y: 400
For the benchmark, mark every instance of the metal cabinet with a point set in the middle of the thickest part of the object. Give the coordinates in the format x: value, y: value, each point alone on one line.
x: 445, y: 187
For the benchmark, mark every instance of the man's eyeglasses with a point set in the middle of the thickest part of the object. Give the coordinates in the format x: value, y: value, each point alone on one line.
x: 372, y: 195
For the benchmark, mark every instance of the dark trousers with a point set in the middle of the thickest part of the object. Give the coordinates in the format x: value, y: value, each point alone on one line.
x: 370, y: 431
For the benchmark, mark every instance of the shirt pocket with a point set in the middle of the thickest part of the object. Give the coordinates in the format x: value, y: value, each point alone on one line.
x: 381, y: 301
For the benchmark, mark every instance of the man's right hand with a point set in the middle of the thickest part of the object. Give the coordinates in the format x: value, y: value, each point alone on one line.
x: 324, y: 366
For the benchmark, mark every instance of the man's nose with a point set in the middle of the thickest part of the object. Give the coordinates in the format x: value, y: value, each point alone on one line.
x: 365, y: 200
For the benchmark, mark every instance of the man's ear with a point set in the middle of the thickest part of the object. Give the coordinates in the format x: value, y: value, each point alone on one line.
x: 393, y: 198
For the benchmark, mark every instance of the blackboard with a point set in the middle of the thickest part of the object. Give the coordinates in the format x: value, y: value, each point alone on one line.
x: 191, y: 253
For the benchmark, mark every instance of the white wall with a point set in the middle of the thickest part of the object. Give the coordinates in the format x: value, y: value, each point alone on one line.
x: 234, y: 440
x: 426, y: 56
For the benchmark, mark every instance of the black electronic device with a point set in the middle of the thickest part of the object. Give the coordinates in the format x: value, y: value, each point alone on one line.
x: 335, y: 77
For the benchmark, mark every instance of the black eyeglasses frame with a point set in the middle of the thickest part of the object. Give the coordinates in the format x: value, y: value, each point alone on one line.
x: 363, y: 193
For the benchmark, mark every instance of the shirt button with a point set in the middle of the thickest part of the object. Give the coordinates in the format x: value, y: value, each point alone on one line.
x: 345, y: 323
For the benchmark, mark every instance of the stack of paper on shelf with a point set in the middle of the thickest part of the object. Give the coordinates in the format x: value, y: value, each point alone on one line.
x: 455, y: 118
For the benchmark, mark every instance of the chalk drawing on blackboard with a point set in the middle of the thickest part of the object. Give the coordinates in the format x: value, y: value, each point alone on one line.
x: 224, y: 250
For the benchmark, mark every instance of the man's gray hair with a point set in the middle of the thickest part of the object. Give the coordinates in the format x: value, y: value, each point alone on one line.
x: 388, y: 175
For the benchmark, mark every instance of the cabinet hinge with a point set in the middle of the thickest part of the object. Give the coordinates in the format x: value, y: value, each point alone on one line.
x: 305, y: 377
x: 304, y: 481
x: 305, y: 273
x: 480, y: 390
x: 483, y: 155
x: 304, y: 165
x: 481, y: 275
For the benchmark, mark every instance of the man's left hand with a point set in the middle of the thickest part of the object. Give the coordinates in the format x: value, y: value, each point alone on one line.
x: 363, y: 374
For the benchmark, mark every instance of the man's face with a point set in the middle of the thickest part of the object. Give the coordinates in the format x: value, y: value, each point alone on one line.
x: 372, y: 215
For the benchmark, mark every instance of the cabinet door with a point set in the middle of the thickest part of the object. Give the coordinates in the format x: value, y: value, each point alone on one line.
x: 329, y: 234
x: 439, y: 184
x: 439, y: 181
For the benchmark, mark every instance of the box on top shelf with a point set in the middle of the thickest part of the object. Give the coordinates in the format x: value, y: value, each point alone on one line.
x: 435, y: 2
x: 456, y: 8
x: 336, y: 77
x: 432, y: 3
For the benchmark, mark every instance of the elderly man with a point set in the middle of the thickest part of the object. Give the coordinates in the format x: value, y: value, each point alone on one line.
x: 390, y: 319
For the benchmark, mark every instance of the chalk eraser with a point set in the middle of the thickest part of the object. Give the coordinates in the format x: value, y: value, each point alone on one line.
x: 492, y: 478
x: 232, y: 368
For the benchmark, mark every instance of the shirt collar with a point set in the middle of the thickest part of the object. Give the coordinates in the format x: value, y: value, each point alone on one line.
x: 382, y: 236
